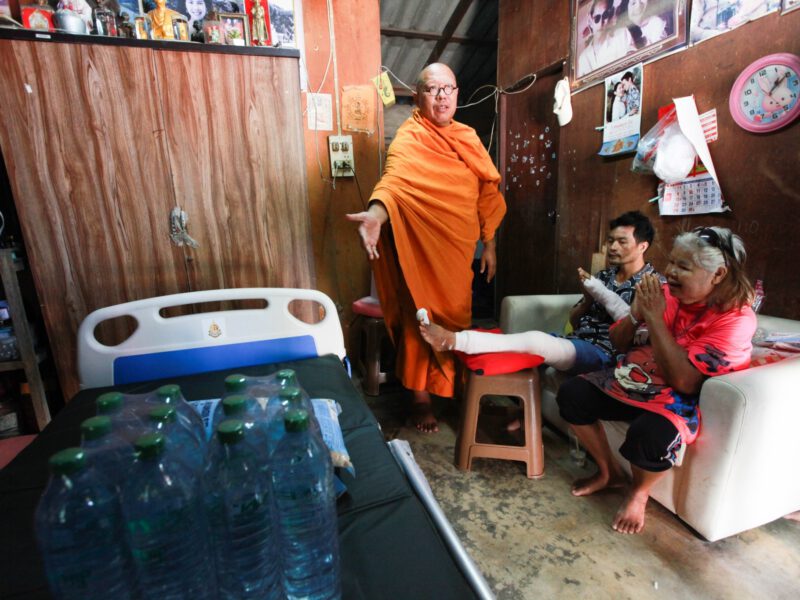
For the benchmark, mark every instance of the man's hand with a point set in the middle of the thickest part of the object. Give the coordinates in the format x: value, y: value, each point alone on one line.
x: 369, y: 227
x: 489, y: 260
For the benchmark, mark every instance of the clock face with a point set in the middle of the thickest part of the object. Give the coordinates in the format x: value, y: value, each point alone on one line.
x: 766, y: 96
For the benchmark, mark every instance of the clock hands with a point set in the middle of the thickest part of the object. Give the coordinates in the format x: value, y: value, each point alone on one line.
x: 778, y: 81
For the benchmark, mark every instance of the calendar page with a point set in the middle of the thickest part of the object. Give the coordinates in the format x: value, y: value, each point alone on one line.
x: 695, y: 195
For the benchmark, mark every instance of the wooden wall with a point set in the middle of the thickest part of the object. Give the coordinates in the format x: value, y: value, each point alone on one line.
x: 340, y: 263
x: 758, y: 173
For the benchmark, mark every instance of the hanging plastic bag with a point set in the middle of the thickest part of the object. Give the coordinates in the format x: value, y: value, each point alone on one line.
x: 675, y: 156
x: 646, y: 150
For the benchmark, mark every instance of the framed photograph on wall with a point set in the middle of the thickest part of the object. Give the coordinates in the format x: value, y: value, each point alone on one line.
x: 711, y: 18
x: 282, y: 23
x: 237, y: 32
x: 789, y: 6
x: 610, y: 35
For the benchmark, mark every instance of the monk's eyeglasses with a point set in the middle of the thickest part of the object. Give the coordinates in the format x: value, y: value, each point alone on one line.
x: 433, y: 90
x: 711, y: 237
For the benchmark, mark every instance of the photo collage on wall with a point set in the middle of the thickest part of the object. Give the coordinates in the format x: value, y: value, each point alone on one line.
x: 609, y: 36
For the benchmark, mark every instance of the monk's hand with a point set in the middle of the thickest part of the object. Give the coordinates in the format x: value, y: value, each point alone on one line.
x: 649, y: 302
x: 489, y: 260
x: 369, y: 228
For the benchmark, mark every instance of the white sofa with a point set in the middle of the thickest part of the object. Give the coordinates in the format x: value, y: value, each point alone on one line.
x: 742, y: 470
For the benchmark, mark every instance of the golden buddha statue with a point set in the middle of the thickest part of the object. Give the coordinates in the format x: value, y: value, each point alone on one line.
x: 161, y: 21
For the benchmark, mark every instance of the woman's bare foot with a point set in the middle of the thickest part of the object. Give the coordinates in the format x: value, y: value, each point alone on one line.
x: 599, y: 481
x: 422, y: 413
x: 438, y: 337
x: 630, y: 516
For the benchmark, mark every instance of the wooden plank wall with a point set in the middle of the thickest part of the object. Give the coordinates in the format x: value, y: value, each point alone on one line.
x: 758, y: 172
x: 341, y: 265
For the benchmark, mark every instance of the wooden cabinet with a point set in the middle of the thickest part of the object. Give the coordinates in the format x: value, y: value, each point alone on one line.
x: 102, y: 141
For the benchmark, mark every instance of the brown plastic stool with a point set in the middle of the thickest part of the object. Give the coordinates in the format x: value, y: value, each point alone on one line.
x: 523, y: 385
x: 370, y: 327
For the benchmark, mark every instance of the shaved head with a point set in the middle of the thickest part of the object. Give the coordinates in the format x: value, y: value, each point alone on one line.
x: 434, y: 69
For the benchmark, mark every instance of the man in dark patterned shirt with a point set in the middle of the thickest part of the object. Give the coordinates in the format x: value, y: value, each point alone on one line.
x: 606, y: 299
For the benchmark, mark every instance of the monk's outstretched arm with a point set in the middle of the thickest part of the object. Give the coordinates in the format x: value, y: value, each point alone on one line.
x: 369, y: 226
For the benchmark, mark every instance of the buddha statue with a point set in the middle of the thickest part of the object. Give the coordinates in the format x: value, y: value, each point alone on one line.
x: 161, y: 20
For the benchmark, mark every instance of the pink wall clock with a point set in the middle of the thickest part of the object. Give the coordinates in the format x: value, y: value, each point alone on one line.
x: 766, y: 95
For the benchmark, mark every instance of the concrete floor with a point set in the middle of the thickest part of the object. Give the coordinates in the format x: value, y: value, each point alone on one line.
x: 533, y: 539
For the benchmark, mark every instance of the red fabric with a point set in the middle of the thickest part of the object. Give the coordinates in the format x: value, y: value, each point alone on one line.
x: 498, y: 363
x: 369, y: 307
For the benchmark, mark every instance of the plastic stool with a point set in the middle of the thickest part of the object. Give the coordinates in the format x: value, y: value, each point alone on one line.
x: 523, y: 385
x: 370, y: 326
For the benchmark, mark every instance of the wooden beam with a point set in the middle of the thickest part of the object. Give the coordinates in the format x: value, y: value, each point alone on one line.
x: 433, y: 35
x: 447, y: 33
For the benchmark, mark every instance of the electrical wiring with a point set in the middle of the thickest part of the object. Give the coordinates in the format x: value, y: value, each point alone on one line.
x: 495, y: 93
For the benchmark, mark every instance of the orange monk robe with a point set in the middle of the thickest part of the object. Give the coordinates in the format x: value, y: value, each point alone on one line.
x: 440, y: 190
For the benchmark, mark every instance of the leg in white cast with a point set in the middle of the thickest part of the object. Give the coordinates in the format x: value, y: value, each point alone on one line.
x: 557, y: 352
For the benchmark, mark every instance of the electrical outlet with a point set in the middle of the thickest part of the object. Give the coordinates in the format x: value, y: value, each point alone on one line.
x: 340, y: 151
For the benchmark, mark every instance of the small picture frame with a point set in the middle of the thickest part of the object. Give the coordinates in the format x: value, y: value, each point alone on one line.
x: 237, y: 30
x: 180, y: 29
x: 37, y: 16
x: 141, y: 27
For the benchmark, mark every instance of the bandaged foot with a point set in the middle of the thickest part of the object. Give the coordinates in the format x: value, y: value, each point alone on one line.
x: 615, y: 306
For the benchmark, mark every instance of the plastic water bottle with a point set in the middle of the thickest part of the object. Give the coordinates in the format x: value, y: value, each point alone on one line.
x: 162, y: 504
x: 576, y: 452
x: 109, y: 453
x: 171, y: 394
x: 302, y: 484
x: 180, y: 443
x: 286, y: 399
x: 240, y: 514
x: 123, y: 414
x: 80, y: 533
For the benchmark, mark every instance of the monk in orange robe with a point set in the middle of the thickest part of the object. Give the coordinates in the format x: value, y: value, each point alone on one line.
x: 439, y: 195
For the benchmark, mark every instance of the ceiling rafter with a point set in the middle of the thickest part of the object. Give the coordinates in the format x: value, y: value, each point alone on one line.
x: 449, y: 29
x: 432, y: 35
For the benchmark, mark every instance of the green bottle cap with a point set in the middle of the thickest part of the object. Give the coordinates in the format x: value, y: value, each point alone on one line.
x: 231, y: 431
x: 291, y: 394
x: 110, y: 402
x: 150, y: 445
x: 235, y: 404
x: 169, y: 393
x: 235, y: 382
x: 296, y: 420
x: 162, y: 414
x: 286, y: 376
x: 67, y: 461
x: 95, y: 427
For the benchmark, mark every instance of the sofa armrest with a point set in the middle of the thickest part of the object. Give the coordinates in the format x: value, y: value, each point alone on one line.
x: 741, y: 469
x: 545, y: 312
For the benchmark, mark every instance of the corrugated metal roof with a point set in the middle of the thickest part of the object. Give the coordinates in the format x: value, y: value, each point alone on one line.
x: 465, y: 30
